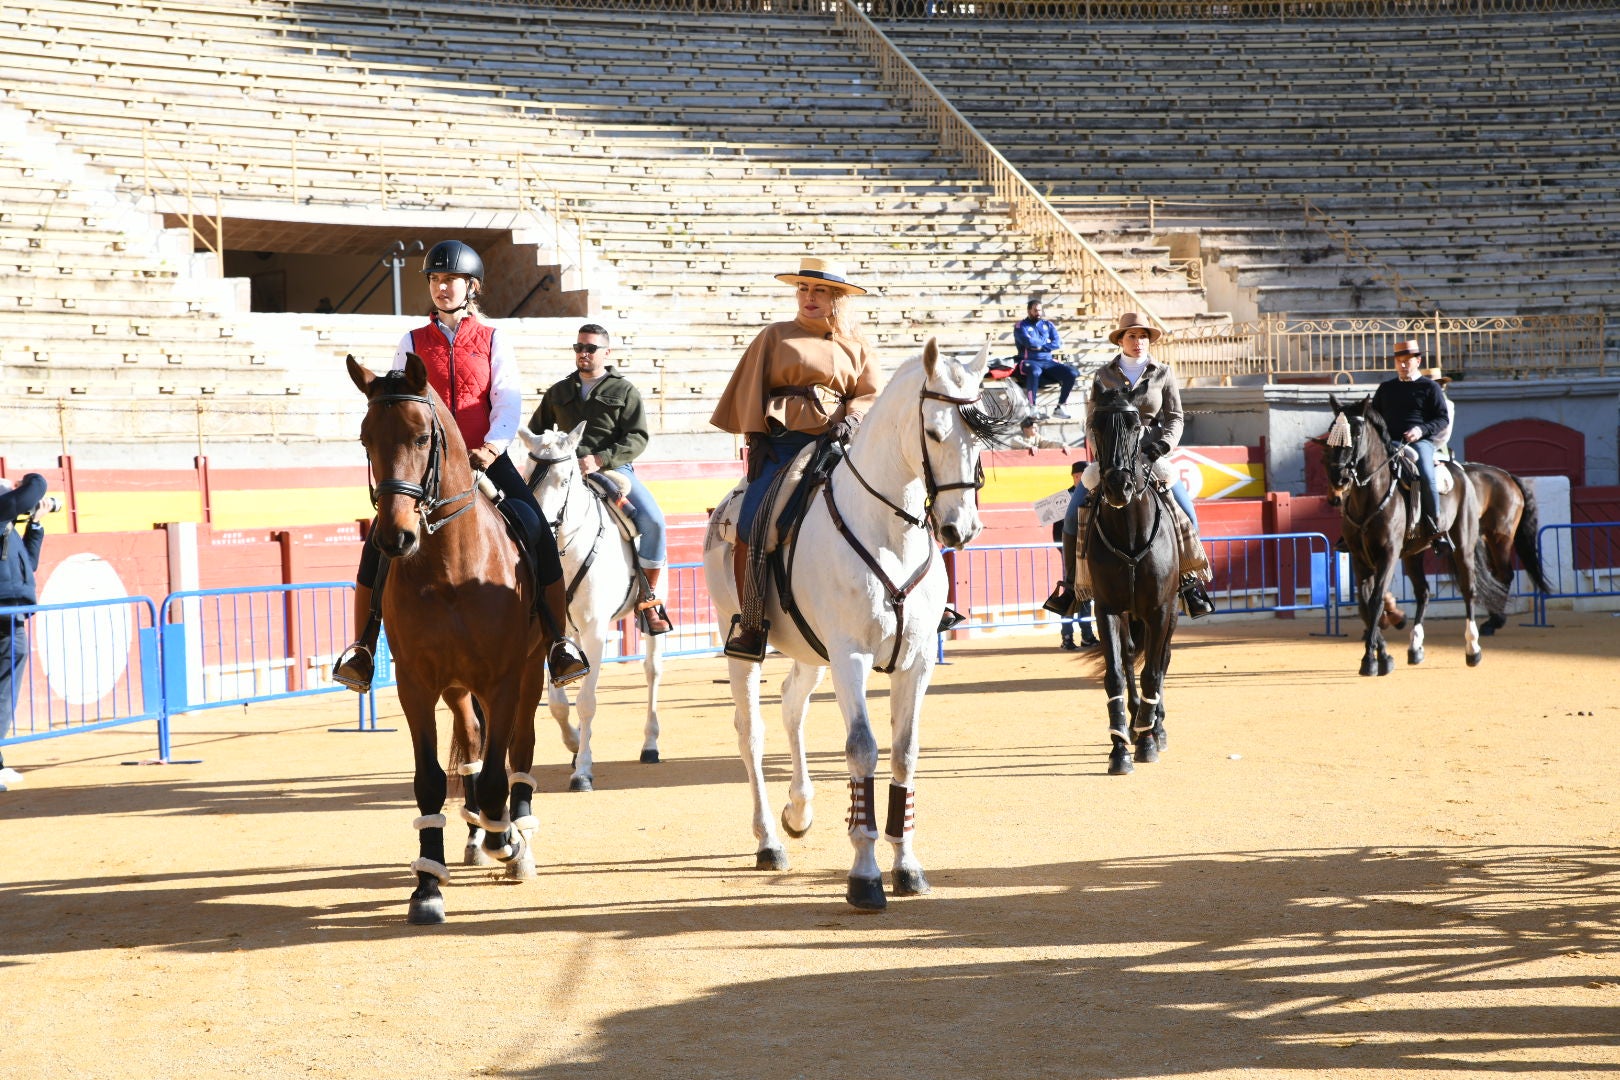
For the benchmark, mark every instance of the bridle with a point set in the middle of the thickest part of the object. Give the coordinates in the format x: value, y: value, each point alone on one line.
x: 425, y: 493
x: 1129, y: 460
x: 1359, y: 445
x: 565, y: 540
x: 931, y: 486
x: 542, y: 466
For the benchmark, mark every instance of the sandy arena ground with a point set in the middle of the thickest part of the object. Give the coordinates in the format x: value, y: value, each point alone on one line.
x: 1409, y: 876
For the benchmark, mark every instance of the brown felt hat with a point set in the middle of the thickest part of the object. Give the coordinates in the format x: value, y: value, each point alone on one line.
x: 1408, y: 348
x: 817, y: 271
x: 1437, y: 375
x: 1133, y: 321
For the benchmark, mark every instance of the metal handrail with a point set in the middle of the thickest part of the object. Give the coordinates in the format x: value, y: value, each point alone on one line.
x: 1099, y: 288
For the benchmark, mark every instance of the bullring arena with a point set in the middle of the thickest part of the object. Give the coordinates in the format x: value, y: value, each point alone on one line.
x: 207, y: 205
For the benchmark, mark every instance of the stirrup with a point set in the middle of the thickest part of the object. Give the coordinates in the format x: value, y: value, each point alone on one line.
x: 1195, y: 598
x: 747, y: 642
x: 652, y: 618
x: 354, y: 668
x: 1062, y: 601
x: 566, y: 664
x: 950, y: 619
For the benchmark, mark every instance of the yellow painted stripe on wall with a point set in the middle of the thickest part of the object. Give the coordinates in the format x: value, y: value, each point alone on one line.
x: 282, y: 508
x: 132, y: 511
x: 695, y: 496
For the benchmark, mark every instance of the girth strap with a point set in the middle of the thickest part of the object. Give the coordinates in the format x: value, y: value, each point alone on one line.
x: 897, y: 593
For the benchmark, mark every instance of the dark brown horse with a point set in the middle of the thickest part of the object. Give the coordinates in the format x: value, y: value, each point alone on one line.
x: 1135, y: 570
x: 1487, y: 516
x: 457, y: 606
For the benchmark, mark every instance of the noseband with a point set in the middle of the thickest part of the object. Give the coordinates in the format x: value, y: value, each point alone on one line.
x: 542, y: 466
x: 1127, y: 458
x: 426, y: 493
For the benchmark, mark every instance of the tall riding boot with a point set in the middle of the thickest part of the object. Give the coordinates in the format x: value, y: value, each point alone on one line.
x: 1438, y: 541
x: 1062, y: 600
x: 566, y: 663
x: 356, y: 664
x: 748, y: 636
x: 1195, y: 596
x: 651, y: 615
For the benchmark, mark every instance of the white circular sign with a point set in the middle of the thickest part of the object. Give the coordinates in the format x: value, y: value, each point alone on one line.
x: 1190, y: 474
x: 84, y: 651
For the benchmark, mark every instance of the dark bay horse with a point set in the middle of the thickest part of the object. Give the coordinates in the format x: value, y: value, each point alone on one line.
x: 1135, y: 573
x: 1488, y: 515
x: 457, y: 605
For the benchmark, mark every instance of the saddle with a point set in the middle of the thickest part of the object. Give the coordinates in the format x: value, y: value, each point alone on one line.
x: 784, y: 503
x: 612, y: 489
x: 523, y: 525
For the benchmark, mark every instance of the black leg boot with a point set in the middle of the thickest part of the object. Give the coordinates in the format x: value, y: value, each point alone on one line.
x: 1196, y: 597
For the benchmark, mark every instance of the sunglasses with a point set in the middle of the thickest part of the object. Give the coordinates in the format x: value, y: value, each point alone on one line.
x: 586, y: 347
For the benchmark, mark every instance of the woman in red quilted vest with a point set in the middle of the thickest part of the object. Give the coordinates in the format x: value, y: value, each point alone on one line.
x: 471, y: 367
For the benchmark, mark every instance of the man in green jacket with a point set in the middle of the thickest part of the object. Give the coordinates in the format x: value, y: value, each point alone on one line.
x: 615, y: 435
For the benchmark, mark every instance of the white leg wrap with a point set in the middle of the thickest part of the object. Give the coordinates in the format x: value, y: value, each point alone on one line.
x: 493, y: 826
x: 528, y: 824
x: 470, y: 818
x: 430, y: 821
x: 522, y: 778
x: 428, y: 866
x: 470, y: 768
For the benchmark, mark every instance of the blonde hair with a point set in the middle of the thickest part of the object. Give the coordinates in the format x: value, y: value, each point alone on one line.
x: 845, y: 317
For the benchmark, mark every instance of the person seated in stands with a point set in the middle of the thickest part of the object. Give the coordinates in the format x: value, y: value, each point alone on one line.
x: 1037, y: 339
x: 615, y: 435
x: 1414, y: 413
x: 810, y: 376
x: 471, y: 367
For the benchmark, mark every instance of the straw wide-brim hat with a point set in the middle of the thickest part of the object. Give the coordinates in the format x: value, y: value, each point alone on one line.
x: 816, y: 271
x: 1437, y: 375
x: 1133, y: 321
x: 1407, y: 348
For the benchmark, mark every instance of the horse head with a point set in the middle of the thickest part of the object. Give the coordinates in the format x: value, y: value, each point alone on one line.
x: 1116, y: 424
x: 1355, y: 442
x: 410, y: 449
x: 955, y: 429
x: 553, y: 468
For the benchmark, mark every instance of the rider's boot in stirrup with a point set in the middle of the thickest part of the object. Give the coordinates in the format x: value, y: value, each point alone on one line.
x: 651, y: 615
x: 1195, y: 597
x: 565, y: 662
x: 1439, y: 542
x: 745, y: 642
x: 1062, y: 600
x: 356, y: 664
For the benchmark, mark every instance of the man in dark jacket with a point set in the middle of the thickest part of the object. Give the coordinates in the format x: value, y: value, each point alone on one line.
x: 19, y: 558
x: 1037, y: 339
x: 615, y: 435
x: 1414, y: 412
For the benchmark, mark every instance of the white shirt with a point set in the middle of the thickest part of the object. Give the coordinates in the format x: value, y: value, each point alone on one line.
x: 505, y: 395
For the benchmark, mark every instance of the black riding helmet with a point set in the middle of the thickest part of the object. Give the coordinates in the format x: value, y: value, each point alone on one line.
x: 453, y: 257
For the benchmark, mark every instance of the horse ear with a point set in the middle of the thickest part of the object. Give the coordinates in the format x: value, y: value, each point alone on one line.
x: 1333, y: 400
x: 977, y: 366
x: 930, y: 357
x: 574, y: 436
x: 530, y: 439
x: 361, y: 377
x: 415, y: 373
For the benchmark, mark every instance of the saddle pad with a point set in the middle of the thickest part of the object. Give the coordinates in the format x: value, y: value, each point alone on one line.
x: 723, y: 522
x: 610, y: 489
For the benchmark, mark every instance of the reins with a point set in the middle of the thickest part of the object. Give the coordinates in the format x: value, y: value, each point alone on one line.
x: 426, y: 493
x: 1141, y: 485
x: 1360, y: 481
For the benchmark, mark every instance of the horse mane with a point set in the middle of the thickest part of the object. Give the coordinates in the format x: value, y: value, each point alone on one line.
x: 997, y: 428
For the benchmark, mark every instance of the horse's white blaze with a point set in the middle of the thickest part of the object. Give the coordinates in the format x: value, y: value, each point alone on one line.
x: 845, y: 604
x: 603, y: 597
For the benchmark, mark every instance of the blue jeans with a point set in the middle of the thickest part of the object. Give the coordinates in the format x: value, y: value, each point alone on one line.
x: 1071, y: 521
x: 651, y: 550
x: 1425, y: 466
x: 779, y: 450
x: 1040, y: 372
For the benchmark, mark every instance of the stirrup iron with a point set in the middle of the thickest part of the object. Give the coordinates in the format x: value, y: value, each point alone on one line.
x: 747, y: 642
x: 360, y: 658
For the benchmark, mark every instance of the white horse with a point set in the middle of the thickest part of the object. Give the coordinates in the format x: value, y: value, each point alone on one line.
x: 602, y: 586
x: 871, y: 586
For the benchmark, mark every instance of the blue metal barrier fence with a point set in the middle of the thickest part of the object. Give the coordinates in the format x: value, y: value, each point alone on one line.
x: 1579, y: 560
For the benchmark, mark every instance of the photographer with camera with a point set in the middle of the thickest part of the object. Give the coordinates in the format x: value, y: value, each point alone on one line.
x: 19, y: 558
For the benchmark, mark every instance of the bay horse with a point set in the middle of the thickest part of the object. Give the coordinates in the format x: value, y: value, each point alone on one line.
x: 1487, y: 516
x: 599, y: 567
x: 458, y: 610
x: 874, y: 592
x: 1135, y: 564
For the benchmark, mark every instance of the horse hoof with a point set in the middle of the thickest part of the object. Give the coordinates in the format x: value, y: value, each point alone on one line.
x: 1119, y: 761
x: 580, y: 783
x: 1147, y: 749
x: 1414, y: 656
x: 1366, y: 665
x: 521, y: 867
x: 911, y: 883
x: 426, y: 911
x: 1386, y: 664
x: 866, y: 894
x: 475, y: 855
x: 649, y: 757
x: 1475, y: 658
x: 771, y: 858
x: 787, y: 827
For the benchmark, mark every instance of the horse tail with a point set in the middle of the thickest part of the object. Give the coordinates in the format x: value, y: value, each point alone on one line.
x: 1489, y: 590
x: 1524, y: 537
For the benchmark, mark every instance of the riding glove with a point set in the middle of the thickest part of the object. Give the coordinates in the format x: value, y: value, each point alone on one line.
x: 1156, y: 449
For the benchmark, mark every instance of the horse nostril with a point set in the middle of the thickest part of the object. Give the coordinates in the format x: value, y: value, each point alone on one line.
x: 950, y: 536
